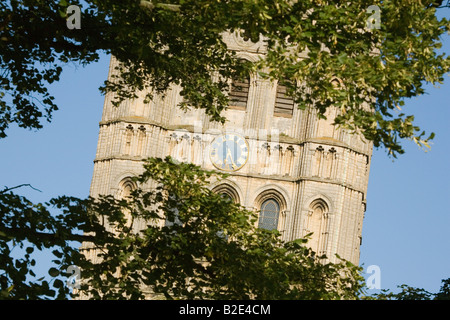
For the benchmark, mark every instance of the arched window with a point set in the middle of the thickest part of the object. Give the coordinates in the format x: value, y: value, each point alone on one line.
x: 239, y: 93
x: 227, y: 197
x: 317, y: 223
x: 227, y: 191
x: 270, y: 212
x: 128, y: 138
x: 284, y: 104
x: 126, y: 187
x: 127, y: 190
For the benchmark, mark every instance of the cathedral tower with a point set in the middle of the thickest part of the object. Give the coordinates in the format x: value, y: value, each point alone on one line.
x: 303, y: 174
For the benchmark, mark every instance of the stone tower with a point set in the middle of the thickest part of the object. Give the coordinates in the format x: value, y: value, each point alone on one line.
x: 303, y: 174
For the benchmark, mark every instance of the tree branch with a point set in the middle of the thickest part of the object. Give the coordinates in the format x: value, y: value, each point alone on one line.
x: 51, y: 237
x: 150, y: 6
x: 19, y: 186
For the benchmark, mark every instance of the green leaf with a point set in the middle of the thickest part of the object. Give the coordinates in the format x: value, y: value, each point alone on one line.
x: 53, y: 272
x: 58, y: 283
x: 57, y: 253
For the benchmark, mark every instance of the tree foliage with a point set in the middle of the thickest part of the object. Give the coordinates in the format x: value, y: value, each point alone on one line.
x: 193, y: 244
x: 180, y: 42
x: 412, y: 293
x: 210, y: 248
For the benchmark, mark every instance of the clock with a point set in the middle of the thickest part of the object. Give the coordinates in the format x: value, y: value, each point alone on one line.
x: 229, y: 152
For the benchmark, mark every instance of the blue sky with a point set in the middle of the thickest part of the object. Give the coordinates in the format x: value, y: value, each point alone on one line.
x: 406, y: 225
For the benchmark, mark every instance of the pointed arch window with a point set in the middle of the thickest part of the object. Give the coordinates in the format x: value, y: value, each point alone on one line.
x: 227, y: 191
x: 227, y: 197
x: 126, y: 187
x: 318, y: 223
x: 269, y: 215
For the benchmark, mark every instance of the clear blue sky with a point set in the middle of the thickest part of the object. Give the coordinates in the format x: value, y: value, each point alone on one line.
x: 406, y: 225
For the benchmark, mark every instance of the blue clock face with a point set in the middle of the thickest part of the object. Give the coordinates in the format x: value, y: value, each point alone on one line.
x: 229, y: 152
